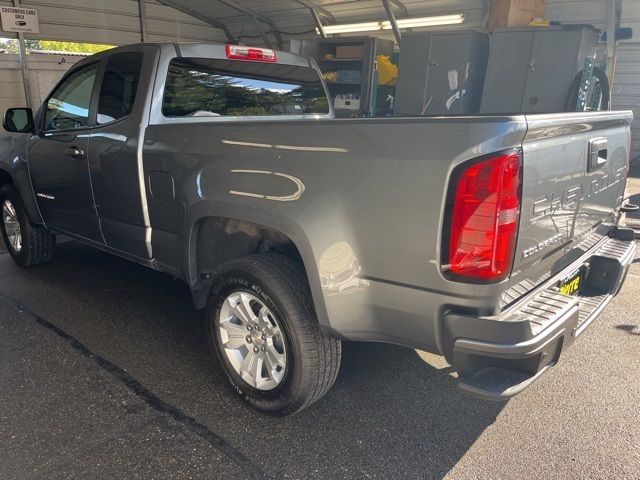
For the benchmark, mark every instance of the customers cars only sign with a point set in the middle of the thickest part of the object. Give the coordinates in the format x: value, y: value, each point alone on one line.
x: 16, y: 19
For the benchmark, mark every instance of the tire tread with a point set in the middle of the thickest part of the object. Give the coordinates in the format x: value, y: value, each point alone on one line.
x: 38, y: 244
x: 322, y: 354
x: 327, y: 357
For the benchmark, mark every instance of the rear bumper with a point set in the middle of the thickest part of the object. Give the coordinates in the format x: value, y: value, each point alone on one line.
x: 498, y: 357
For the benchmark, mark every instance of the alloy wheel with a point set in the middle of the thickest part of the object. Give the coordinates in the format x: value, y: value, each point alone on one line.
x: 252, y: 340
x: 12, y: 226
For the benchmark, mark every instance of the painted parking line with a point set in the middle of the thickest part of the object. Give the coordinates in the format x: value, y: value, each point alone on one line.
x: 251, y: 470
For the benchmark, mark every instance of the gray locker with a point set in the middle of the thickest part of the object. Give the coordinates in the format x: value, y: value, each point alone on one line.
x: 531, y: 69
x: 441, y: 73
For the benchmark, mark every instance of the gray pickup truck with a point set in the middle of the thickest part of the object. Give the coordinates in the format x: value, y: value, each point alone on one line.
x: 492, y: 240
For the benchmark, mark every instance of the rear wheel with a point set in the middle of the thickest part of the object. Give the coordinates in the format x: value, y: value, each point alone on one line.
x: 261, y: 323
x: 27, y: 244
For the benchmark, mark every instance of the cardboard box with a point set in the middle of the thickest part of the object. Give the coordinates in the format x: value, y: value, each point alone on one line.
x: 515, y: 13
x: 349, y: 51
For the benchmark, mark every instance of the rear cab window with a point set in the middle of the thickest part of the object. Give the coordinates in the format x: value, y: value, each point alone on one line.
x: 204, y: 87
x: 119, y: 86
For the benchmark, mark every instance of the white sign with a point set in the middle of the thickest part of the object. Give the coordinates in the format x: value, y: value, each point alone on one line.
x: 19, y: 20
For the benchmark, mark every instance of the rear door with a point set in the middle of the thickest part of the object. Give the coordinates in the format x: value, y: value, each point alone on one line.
x: 116, y: 173
x: 57, y: 157
x: 574, y: 174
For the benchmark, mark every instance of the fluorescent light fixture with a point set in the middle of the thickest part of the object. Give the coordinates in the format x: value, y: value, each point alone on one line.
x: 428, y: 21
x: 402, y: 23
x: 353, y: 27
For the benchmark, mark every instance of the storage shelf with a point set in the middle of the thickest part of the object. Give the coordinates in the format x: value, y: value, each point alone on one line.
x: 361, y: 60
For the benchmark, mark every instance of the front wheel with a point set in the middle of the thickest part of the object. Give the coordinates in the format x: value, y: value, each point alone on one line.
x: 261, y: 323
x: 27, y: 244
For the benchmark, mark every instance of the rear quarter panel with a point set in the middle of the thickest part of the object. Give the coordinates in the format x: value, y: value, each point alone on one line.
x: 362, y: 199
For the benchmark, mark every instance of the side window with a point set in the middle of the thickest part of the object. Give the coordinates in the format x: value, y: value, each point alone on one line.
x: 68, y: 106
x: 119, y: 86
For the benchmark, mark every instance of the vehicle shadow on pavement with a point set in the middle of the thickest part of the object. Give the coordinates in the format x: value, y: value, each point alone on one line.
x: 635, y: 200
x: 630, y: 329
x: 390, y: 414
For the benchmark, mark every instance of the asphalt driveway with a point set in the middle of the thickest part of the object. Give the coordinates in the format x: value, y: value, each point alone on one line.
x: 105, y: 373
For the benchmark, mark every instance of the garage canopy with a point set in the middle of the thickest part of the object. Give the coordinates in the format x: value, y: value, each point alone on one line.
x: 124, y: 21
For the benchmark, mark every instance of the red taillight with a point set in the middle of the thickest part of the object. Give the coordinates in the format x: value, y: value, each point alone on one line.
x: 240, y: 52
x: 484, y: 225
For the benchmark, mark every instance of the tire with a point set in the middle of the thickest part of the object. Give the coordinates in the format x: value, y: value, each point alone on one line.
x: 602, y: 82
x: 37, y: 243
x: 312, y: 359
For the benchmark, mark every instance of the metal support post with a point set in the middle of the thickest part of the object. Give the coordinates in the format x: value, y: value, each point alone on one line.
x: 24, y: 66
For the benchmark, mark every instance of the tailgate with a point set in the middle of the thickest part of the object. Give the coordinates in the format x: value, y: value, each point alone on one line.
x: 574, y: 175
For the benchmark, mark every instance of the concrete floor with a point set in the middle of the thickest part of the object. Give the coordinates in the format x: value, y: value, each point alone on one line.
x: 105, y: 373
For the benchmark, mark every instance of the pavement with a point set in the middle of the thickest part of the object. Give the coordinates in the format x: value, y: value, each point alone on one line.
x: 105, y: 373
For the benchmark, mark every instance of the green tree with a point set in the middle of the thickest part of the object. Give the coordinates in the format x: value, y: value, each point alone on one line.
x: 12, y: 46
x: 71, y: 46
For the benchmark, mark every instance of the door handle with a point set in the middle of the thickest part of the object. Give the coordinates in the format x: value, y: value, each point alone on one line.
x: 74, y: 152
x: 597, y: 153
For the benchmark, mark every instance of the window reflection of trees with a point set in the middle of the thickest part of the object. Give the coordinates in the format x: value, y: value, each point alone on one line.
x: 195, y: 92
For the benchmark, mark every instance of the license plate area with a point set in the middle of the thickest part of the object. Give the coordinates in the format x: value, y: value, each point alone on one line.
x: 572, y: 284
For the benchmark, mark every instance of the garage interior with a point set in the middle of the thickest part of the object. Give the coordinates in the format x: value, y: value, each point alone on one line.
x: 394, y: 413
x: 359, y: 46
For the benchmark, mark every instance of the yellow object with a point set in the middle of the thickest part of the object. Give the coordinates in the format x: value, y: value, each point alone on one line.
x: 387, y: 71
x: 540, y: 22
x: 330, y: 76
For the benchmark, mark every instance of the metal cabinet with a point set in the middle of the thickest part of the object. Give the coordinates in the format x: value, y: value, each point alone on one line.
x: 531, y: 70
x: 441, y: 73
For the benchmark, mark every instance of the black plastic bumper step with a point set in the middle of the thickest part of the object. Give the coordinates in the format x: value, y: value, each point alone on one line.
x: 498, y: 384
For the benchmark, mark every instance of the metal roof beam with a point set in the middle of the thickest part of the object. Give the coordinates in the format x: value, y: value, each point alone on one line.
x: 318, y: 22
x: 318, y: 10
x: 265, y: 37
x: 401, y: 6
x: 199, y: 16
x: 257, y: 16
x: 392, y: 19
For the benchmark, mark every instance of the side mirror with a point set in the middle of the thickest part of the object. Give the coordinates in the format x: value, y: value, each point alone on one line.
x: 19, y: 120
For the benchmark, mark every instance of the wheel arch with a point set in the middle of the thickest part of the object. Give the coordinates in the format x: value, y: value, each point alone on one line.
x: 6, y: 178
x: 213, y: 240
x: 21, y: 183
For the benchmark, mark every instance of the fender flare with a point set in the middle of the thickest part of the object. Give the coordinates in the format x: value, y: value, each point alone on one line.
x: 199, y: 212
x: 22, y: 184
